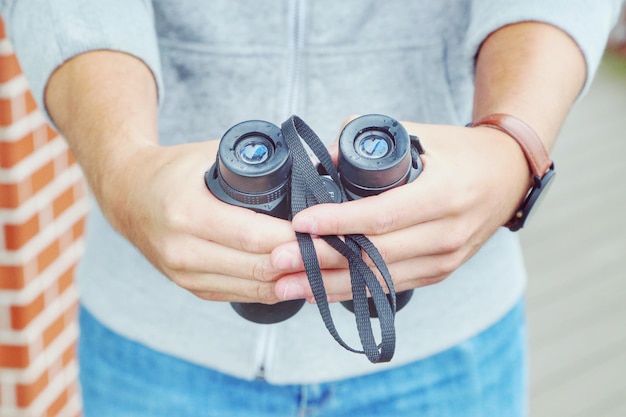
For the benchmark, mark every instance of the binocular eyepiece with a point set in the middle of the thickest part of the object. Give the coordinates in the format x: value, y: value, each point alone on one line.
x: 252, y: 171
x: 377, y: 154
x: 253, y: 168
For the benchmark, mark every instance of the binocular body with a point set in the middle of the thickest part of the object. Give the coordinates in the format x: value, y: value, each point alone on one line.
x: 253, y: 168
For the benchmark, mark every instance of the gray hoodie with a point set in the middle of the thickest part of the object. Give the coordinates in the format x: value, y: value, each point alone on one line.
x: 219, y: 62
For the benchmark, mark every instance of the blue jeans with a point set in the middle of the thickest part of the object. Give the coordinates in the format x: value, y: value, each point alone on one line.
x: 483, y: 376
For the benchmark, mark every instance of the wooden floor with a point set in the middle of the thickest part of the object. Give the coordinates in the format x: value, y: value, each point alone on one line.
x: 576, y: 257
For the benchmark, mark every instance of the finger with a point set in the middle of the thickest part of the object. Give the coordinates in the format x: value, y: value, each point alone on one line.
x: 392, y: 210
x: 333, y: 150
x: 243, y: 229
x: 189, y: 254
x: 288, y: 258
x: 216, y: 287
x: 425, y: 239
x: 449, y: 237
x: 406, y: 275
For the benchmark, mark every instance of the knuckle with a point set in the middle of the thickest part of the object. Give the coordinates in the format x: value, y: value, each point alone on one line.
x: 250, y: 241
x: 335, y: 227
x: 455, y: 237
x: 453, y: 241
x: 262, y: 271
x: 183, y: 281
x: 461, y: 199
x: 173, y: 217
x: 449, y: 263
x: 384, y: 221
x: 265, y: 293
x: 424, y: 282
x: 172, y: 256
x: 210, y: 295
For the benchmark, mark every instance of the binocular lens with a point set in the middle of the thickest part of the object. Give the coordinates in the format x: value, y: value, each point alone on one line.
x: 373, y: 145
x: 254, y: 150
x: 374, y: 155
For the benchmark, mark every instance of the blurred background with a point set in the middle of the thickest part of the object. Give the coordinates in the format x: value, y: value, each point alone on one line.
x: 575, y: 251
x: 575, y: 248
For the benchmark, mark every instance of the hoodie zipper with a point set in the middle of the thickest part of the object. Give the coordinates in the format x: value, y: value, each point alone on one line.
x: 297, y: 20
x: 296, y: 25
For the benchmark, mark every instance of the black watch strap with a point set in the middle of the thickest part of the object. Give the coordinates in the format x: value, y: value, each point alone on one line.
x: 536, y: 155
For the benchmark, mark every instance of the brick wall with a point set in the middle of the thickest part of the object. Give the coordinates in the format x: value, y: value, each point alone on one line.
x: 42, y: 210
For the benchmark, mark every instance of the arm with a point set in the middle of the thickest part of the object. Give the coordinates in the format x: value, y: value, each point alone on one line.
x: 105, y: 104
x: 95, y: 67
x: 533, y: 71
x: 473, y: 178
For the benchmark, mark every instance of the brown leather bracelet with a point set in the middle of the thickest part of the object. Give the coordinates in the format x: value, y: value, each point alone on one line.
x: 536, y: 155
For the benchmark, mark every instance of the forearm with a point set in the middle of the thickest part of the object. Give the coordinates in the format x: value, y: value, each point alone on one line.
x: 105, y: 105
x: 532, y: 71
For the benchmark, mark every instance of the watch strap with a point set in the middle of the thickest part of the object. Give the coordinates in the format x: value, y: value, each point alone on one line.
x: 536, y: 155
x: 535, y: 152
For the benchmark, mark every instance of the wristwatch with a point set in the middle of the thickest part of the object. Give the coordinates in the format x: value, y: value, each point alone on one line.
x: 539, y: 161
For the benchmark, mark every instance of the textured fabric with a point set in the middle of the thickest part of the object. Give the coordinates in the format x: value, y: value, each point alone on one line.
x: 219, y: 62
x: 483, y: 376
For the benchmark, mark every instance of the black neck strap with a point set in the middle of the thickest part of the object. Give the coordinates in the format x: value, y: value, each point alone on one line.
x: 307, y: 189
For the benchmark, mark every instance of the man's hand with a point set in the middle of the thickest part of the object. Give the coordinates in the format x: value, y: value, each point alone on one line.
x: 105, y: 105
x: 472, y: 180
x: 217, y: 251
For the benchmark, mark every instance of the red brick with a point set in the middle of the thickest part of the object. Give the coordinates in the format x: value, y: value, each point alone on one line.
x: 9, y: 67
x: 42, y: 177
x: 31, y: 104
x: 17, y: 235
x: 51, y: 133
x: 66, y: 279
x: 3, y: 35
x: 27, y: 393
x: 12, y: 277
x: 71, y: 159
x: 48, y: 255
x: 6, y: 113
x: 63, y: 201
x: 69, y: 355
x: 79, y: 228
x: 58, y: 404
x: 14, y: 356
x: 53, y: 330
x: 9, y: 196
x: 21, y: 316
x: 11, y: 153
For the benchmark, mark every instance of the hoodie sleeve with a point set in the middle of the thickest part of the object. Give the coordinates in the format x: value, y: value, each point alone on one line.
x: 587, y: 22
x: 47, y: 33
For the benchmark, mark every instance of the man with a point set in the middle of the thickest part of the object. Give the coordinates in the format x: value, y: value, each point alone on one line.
x: 142, y: 90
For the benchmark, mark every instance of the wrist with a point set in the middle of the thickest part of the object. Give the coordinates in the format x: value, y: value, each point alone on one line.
x: 539, y: 163
x: 117, y: 175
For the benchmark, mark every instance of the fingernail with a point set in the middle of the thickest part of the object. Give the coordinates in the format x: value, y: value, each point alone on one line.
x: 285, y: 260
x: 293, y: 290
x: 305, y: 224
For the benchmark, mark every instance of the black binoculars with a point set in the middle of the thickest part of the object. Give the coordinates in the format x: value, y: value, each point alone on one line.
x: 253, y: 168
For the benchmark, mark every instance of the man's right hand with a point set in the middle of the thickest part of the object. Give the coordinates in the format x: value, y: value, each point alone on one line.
x: 105, y: 104
x: 217, y: 251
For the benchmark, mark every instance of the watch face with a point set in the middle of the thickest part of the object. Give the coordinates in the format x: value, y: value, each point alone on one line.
x: 534, y: 197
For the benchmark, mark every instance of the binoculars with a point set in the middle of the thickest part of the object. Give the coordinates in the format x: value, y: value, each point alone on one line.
x: 253, y: 168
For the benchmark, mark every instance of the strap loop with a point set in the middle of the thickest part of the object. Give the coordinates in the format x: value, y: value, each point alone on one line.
x: 307, y: 189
